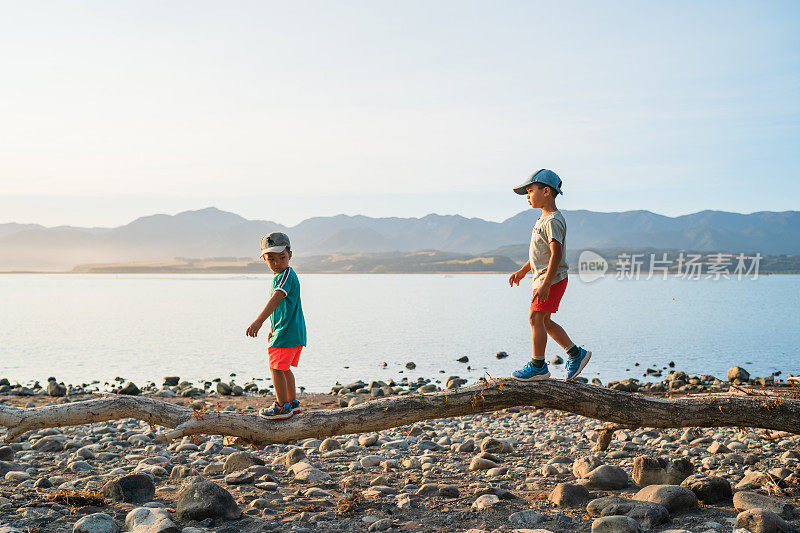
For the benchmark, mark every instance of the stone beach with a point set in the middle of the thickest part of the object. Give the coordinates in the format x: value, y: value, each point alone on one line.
x: 520, y: 469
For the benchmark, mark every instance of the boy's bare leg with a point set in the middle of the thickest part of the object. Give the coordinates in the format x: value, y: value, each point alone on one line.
x: 539, y: 332
x: 557, y: 333
x: 279, y: 383
x: 290, y: 389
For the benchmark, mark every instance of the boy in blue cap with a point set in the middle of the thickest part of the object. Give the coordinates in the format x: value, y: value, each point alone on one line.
x: 547, y: 261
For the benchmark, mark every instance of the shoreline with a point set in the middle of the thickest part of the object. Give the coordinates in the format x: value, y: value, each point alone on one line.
x: 516, y: 468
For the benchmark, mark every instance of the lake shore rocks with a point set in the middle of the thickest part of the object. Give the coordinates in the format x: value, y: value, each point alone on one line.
x: 519, y: 469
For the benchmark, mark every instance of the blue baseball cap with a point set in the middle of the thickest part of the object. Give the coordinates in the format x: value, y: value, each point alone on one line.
x: 548, y: 177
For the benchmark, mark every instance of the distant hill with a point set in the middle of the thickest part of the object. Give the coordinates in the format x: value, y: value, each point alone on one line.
x: 211, y: 232
x: 362, y: 263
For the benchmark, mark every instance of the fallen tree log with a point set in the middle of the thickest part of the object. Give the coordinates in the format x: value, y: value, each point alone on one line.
x: 622, y: 409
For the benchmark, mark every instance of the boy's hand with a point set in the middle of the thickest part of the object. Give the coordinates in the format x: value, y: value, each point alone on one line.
x: 542, y: 292
x: 515, y: 278
x: 269, y: 335
x: 252, y: 331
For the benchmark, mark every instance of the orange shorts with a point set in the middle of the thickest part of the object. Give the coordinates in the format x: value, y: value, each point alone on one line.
x: 282, y: 358
x: 553, y: 299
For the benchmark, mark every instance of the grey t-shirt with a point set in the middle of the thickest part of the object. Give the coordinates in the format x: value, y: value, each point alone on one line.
x: 547, y: 228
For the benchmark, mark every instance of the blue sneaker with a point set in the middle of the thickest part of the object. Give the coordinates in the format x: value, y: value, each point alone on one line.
x: 531, y: 373
x: 277, y: 411
x: 576, y: 364
x: 296, y: 409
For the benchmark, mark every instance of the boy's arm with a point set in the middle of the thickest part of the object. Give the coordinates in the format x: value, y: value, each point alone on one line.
x: 517, y: 276
x: 543, y: 290
x: 272, y: 304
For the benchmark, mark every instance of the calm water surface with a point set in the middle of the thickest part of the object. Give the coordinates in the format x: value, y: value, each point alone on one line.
x: 144, y: 327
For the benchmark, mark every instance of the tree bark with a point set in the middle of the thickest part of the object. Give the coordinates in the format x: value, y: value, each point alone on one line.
x: 622, y: 409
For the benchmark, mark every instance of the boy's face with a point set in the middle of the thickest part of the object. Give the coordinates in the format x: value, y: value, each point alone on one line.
x: 537, y: 197
x: 278, y: 261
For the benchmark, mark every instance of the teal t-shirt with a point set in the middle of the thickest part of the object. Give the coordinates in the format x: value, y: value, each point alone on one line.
x: 288, y: 324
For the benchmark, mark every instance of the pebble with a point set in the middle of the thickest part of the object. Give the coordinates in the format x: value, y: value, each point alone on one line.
x: 761, y: 521
x: 96, y: 523
x: 485, y: 501
x: 673, y: 497
x: 746, y: 500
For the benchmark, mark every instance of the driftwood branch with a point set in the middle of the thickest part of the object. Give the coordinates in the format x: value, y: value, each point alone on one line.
x: 621, y: 409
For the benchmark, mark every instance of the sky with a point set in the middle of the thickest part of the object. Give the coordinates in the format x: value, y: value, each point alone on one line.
x: 287, y: 110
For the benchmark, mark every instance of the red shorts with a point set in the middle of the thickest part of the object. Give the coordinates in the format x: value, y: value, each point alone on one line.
x: 553, y: 299
x: 282, y: 358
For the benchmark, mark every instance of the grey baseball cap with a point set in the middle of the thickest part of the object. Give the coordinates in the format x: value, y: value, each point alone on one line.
x: 547, y: 177
x: 274, y: 242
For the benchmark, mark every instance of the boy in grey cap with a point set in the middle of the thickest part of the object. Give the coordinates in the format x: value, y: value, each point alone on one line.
x: 547, y: 261
x: 287, y: 330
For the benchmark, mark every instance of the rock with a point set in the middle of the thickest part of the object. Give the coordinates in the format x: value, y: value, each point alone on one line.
x: 526, y: 518
x: 718, y: 447
x: 305, y: 473
x: 381, y: 525
x: 652, y: 471
x: 584, y: 465
x: 294, y: 456
x: 135, y: 489
x: 744, y: 501
x: 329, y: 444
x: 479, y: 463
x: 6, y: 453
x: 56, y: 389
x: 428, y: 489
x: 171, y: 381
x: 81, y: 466
x: 448, y: 491
x: 147, y: 520
x: 368, y: 461
x: 485, y: 501
x: 224, y: 389
x: 367, y: 440
x: 708, y: 489
x: 202, y: 499
x: 411, y: 365
x: 673, y: 497
x: 569, y: 495
x: 615, y: 524
x: 463, y: 359
x: 17, y: 476
x: 608, y: 477
x: 240, y: 477
x: 648, y: 471
x: 557, y: 360
x: 761, y: 521
x: 646, y: 514
x: 737, y: 372
x: 49, y: 444
x: 492, y: 445
x: 129, y: 389
x: 677, y: 471
x: 96, y: 523
x: 466, y: 447
x: 180, y: 472
x: 239, y: 461
x: 43, y: 483
x: 753, y: 480
x: 6, y: 467
x: 501, y: 355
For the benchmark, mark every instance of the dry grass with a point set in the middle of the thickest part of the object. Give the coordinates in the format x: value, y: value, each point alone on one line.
x: 78, y: 498
x: 350, y: 504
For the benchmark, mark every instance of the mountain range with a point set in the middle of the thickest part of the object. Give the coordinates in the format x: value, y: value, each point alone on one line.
x: 211, y: 232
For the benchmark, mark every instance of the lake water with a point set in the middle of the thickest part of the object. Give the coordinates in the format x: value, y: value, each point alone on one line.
x: 145, y: 327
